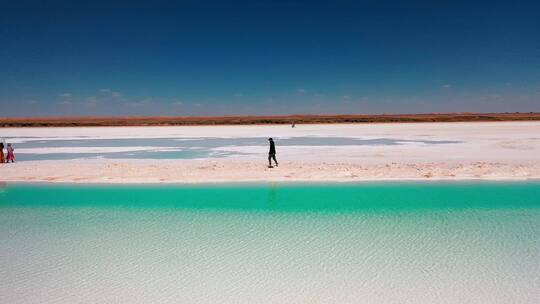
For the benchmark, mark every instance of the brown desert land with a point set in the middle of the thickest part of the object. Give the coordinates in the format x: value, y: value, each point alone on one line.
x: 88, y: 121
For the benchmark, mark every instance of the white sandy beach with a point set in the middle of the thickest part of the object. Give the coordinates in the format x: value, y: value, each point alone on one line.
x: 421, y: 151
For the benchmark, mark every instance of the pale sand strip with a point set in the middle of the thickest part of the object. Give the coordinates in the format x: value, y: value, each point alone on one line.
x: 487, y: 151
x: 200, y: 171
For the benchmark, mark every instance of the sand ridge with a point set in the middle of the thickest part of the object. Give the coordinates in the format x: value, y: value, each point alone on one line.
x: 219, y: 171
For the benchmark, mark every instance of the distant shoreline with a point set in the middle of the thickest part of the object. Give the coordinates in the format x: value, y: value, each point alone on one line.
x: 89, y: 121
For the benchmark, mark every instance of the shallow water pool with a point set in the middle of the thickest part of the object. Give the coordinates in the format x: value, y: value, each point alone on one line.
x: 271, y: 243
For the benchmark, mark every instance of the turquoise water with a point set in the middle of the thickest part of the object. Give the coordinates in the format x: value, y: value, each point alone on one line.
x: 271, y: 243
x: 281, y: 197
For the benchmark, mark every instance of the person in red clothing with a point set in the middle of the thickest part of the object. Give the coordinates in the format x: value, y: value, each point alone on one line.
x: 10, y: 154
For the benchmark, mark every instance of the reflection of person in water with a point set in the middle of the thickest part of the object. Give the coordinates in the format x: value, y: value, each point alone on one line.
x: 272, y: 153
x: 272, y: 196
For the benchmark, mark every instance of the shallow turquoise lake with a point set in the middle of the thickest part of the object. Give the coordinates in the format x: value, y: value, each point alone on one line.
x: 271, y: 243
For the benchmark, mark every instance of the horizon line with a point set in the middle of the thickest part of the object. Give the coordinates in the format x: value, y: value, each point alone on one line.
x: 87, y: 121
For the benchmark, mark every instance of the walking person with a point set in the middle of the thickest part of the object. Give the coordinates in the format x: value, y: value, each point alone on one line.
x: 272, y: 153
x: 10, y: 154
x: 2, y: 160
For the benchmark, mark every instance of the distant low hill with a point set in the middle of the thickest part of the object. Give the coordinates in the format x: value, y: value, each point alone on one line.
x: 255, y: 120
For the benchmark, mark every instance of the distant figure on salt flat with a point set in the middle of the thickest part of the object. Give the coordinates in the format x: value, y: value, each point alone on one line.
x: 293, y: 124
x: 2, y: 160
x: 10, y: 154
x: 272, y: 153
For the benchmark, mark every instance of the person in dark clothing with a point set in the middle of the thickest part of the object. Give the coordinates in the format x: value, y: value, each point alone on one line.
x: 272, y: 153
x: 2, y: 158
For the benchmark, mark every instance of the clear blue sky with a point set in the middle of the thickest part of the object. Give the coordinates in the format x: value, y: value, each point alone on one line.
x: 268, y: 57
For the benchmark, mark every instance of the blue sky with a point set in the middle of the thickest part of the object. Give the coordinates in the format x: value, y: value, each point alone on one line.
x: 268, y: 57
